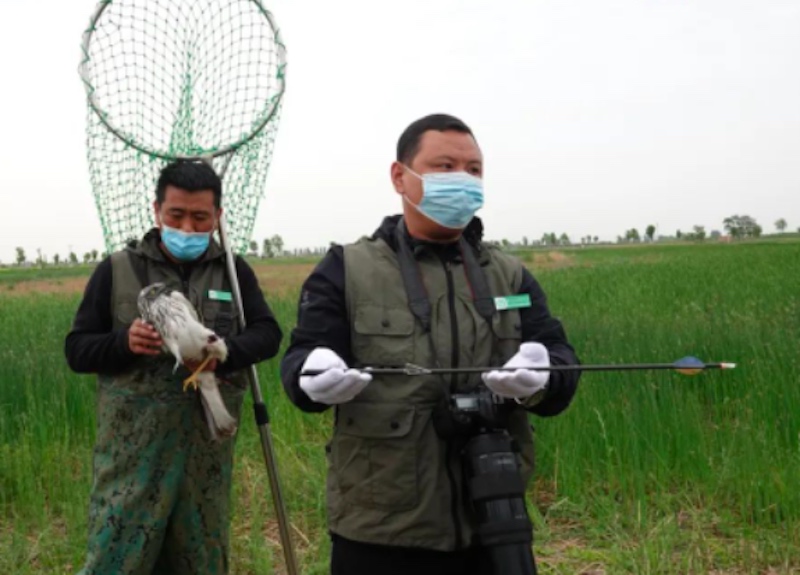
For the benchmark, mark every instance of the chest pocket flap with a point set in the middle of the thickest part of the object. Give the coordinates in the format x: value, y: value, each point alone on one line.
x: 373, y: 420
x: 383, y: 336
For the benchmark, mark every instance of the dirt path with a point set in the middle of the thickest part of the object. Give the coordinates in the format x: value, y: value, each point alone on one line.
x: 275, y: 279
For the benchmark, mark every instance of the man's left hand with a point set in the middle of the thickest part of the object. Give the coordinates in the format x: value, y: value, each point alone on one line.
x: 525, y: 380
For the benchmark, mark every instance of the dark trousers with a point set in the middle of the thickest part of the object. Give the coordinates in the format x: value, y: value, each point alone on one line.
x: 354, y: 558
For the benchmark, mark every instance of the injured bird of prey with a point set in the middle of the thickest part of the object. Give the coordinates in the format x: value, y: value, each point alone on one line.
x: 186, y: 338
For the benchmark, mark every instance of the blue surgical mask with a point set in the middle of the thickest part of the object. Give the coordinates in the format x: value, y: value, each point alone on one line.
x: 183, y: 245
x: 449, y: 198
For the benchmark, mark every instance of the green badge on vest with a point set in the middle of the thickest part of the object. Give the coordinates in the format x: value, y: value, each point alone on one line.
x: 512, y: 301
x: 219, y: 295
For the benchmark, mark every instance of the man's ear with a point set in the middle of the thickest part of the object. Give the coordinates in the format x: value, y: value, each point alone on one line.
x: 396, y: 172
x: 157, y: 212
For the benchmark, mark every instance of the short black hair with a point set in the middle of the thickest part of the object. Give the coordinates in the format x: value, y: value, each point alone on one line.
x: 192, y: 176
x: 408, y: 144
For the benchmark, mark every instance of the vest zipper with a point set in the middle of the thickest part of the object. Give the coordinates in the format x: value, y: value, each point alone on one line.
x: 451, y: 302
x: 185, y: 283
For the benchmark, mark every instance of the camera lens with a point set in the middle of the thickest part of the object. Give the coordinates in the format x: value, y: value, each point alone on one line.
x: 497, y: 494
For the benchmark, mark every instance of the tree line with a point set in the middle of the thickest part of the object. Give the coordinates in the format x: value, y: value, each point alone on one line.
x: 271, y: 247
x: 736, y: 226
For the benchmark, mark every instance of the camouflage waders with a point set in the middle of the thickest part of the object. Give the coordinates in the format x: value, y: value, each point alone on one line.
x: 160, y: 501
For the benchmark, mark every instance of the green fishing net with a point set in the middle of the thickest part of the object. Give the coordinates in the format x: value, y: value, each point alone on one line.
x: 180, y: 79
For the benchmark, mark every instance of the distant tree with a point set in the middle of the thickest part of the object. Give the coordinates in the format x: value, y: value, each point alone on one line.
x: 632, y: 235
x: 678, y: 234
x: 699, y: 233
x: 56, y: 259
x: 595, y: 239
x: 715, y: 235
x: 525, y: 241
x: 253, y: 248
x: 266, y: 248
x: 41, y: 260
x: 277, y: 244
x: 563, y: 239
x: 73, y: 259
x: 21, y: 258
x: 742, y: 227
x: 649, y: 232
x: 94, y: 255
x: 87, y: 257
x: 780, y: 225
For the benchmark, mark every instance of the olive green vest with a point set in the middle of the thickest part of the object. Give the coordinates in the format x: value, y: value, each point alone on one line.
x: 156, y: 377
x: 392, y: 480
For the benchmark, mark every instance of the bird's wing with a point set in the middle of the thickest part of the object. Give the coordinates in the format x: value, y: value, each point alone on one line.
x: 169, y: 316
x: 177, y: 321
x: 180, y: 299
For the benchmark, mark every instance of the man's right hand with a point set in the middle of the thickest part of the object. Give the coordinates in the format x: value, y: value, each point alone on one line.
x: 143, y: 339
x: 337, y: 383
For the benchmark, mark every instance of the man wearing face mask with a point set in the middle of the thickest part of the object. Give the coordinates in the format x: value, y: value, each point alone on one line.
x: 160, y: 496
x: 424, y: 289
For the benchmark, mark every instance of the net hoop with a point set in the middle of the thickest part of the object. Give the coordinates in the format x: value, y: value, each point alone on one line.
x: 85, y: 72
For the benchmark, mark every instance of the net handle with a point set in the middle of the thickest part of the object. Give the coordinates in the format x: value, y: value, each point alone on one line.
x: 86, y: 77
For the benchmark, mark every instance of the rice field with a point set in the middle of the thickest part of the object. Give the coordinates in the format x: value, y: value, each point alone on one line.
x: 646, y: 473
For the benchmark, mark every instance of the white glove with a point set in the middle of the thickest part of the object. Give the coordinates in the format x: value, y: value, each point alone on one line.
x: 337, y: 383
x: 521, y: 383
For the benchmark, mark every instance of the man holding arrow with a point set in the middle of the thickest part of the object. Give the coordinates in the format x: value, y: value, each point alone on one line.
x: 423, y: 290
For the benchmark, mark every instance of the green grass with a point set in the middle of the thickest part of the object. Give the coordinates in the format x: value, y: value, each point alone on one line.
x: 14, y: 275
x: 647, y: 472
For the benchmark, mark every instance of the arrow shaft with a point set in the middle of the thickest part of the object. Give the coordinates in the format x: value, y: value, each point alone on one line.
x: 417, y: 370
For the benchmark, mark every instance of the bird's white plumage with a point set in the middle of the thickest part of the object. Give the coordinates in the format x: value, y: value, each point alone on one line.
x: 187, y: 339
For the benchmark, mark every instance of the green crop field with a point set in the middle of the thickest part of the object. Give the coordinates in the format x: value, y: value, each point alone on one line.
x: 647, y: 472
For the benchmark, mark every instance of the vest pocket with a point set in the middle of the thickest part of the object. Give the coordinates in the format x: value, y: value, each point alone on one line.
x: 374, y: 455
x: 220, y: 317
x: 507, y: 326
x: 383, y: 336
x: 126, y: 312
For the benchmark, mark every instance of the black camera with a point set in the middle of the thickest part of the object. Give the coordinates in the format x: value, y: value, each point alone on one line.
x: 468, y: 414
x: 493, y: 477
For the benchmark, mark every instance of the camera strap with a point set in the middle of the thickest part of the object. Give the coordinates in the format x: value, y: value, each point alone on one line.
x: 481, y: 294
x: 412, y: 279
x: 417, y: 295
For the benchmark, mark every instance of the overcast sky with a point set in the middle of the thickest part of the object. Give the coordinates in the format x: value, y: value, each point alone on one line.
x: 593, y: 116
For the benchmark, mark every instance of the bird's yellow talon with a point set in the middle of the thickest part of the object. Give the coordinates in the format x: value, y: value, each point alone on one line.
x: 191, y: 381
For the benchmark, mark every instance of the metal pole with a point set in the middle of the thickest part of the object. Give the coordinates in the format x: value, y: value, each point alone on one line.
x: 262, y: 416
